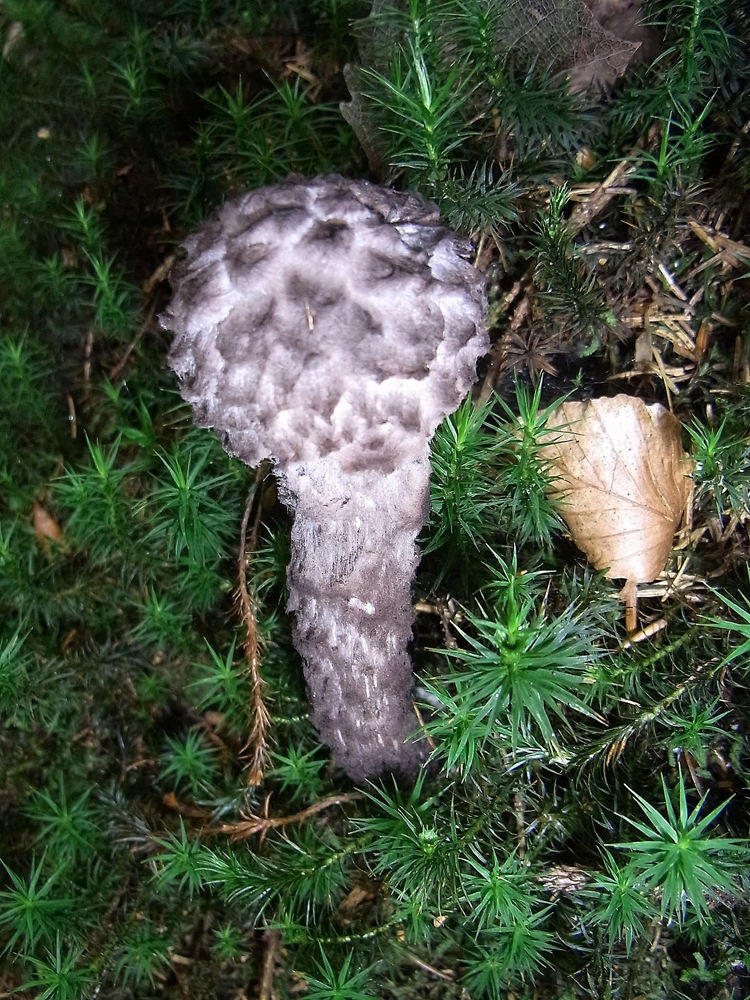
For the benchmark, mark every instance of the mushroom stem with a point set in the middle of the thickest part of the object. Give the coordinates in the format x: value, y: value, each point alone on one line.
x: 353, y: 560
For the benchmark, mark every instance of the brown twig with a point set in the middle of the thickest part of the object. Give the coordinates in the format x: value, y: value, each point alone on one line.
x: 161, y: 272
x: 692, y: 766
x: 629, y: 594
x: 87, y: 352
x: 171, y: 801
x: 448, y: 614
x: 497, y: 353
x: 273, y: 947
x: 519, y: 805
x: 72, y: 417
x: 448, y: 975
x: 600, y: 197
x: 430, y: 742
x: 120, y: 366
x: 256, y: 747
x: 252, y: 824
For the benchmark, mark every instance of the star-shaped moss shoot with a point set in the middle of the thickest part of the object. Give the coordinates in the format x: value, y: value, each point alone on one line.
x: 331, y: 325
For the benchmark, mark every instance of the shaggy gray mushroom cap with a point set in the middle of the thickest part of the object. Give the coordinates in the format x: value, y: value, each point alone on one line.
x: 331, y: 325
x: 331, y: 317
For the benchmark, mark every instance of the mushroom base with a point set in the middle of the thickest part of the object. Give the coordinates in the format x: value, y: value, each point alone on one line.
x: 354, y: 555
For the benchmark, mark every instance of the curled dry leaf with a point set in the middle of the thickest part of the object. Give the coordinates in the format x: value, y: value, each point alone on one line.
x: 623, y: 479
x: 46, y: 528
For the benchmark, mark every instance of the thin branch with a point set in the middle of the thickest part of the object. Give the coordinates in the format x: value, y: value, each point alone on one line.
x: 450, y: 976
x: 430, y: 742
x: 273, y: 948
x: 142, y: 329
x: 253, y: 824
x: 519, y: 806
x: 520, y: 313
x: 256, y: 747
x: 171, y: 801
x: 600, y: 197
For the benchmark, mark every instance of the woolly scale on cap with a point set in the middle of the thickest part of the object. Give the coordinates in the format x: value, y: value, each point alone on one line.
x: 331, y: 325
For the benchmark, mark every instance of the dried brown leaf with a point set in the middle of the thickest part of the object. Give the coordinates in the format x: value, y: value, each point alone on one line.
x: 623, y: 479
x: 46, y: 528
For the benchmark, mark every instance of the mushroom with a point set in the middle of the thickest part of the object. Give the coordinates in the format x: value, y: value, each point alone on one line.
x: 332, y: 324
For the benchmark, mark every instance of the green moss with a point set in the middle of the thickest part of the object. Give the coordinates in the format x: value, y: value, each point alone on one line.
x: 581, y: 830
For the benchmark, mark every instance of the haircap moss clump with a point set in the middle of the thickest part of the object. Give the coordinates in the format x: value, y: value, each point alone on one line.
x: 331, y: 325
